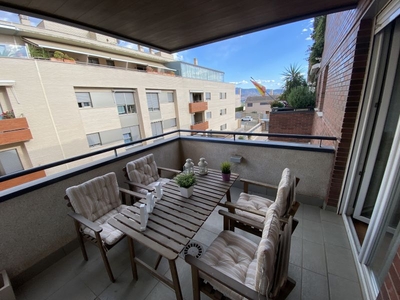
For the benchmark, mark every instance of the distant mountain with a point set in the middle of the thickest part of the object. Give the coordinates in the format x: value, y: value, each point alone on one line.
x: 253, y: 92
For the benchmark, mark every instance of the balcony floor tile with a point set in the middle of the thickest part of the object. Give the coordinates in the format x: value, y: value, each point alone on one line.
x: 320, y: 263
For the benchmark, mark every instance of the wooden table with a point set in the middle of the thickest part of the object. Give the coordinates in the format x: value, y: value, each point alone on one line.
x: 174, y: 222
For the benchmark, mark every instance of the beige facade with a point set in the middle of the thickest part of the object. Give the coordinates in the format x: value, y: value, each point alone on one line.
x: 47, y: 93
x: 258, y: 104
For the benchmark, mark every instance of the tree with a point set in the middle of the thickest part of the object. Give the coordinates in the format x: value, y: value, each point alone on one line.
x: 292, y: 78
x: 317, y: 48
x: 301, y: 97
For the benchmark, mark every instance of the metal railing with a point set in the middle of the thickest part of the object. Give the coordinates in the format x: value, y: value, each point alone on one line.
x: 204, y: 134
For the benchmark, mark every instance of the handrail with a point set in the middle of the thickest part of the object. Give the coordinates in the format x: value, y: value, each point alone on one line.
x: 179, y: 131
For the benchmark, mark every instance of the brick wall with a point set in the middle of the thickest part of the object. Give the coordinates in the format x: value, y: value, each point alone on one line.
x: 390, y: 289
x: 347, y: 42
x: 291, y: 122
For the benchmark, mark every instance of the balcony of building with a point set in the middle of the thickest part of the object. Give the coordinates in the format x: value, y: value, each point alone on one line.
x: 201, y: 125
x: 39, y: 246
x: 198, y: 107
x: 14, y: 130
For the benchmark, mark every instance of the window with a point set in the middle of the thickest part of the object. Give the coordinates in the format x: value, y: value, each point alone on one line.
x: 125, y: 102
x: 208, y: 115
x: 222, y: 112
x: 263, y: 103
x: 83, y: 99
x: 93, y: 60
x: 152, y: 101
x: 110, y: 63
x: 170, y: 97
x: 127, y: 137
x: 222, y: 95
x: 10, y: 162
x: 223, y: 127
x: 156, y: 128
x: 249, y: 104
x: 169, y: 123
x: 130, y: 134
x: 196, y: 97
x: 93, y: 139
x: 208, y: 96
x: 141, y: 67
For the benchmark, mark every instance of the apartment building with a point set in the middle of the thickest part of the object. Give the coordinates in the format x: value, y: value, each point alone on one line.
x: 104, y: 96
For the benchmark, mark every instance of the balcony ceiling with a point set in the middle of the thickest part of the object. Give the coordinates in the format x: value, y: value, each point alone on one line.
x: 175, y: 25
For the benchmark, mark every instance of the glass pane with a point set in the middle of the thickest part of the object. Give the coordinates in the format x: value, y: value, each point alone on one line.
x: 384, y: 149
x: 9, y: 162
x: 387, y: 242
x: 121, y: 110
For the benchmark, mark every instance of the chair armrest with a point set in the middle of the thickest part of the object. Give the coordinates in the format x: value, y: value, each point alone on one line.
x: 81, y: 219
x: 131, y: 193
x: 241, y: 219
x: 233, y: 206
x: 231, y: 283
x: 168, y: 170
x: 139, y: 185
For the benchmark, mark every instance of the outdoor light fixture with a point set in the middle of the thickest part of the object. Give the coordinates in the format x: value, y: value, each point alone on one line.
x: 203, y: 166
x: 188, y: 167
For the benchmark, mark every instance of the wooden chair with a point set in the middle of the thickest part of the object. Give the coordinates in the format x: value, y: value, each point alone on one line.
x: 255, y: 207
x: 93, y: 203
x: 143, y: 174
x: 234, y: 267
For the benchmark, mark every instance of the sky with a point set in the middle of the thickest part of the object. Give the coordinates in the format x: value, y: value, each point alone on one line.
x: 263, y: 55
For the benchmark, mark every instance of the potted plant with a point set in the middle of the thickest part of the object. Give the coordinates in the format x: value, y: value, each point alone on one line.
x: 69, y: 59
x: 226, y: 170
x: 58, y: 56
x: 186, y: 184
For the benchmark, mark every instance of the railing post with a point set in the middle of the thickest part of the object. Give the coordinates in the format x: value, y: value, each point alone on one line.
x: 115, y: 153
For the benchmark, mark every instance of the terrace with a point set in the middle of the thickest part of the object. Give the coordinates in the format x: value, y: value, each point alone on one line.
x: 40, y: 249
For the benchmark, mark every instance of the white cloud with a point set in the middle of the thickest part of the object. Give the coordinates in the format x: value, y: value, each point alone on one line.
x: 305, y: 29
x: 309, y: 38
x: 239, y: 82
x: 177, y: 56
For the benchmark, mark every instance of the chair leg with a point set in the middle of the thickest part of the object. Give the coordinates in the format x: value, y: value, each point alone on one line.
x: 158, y: 262
x: 286, y: 289
x: 80, y: 239
x: 195, y: 283
x: 104, y: 257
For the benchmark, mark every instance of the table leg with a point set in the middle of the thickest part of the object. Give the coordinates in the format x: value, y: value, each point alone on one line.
x: 132, y: 256
x: 175, y: 279
x: 228, y: 195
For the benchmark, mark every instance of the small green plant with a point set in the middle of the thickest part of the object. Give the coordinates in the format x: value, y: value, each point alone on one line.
x: 67, y: 57
x: 58, y: 54
x: 226, y: 167
x: 241, y: 137
x: 185, y: 180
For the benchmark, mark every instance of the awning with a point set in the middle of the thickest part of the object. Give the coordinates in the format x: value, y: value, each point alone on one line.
x: 176, y: 25
x: 92, y: 52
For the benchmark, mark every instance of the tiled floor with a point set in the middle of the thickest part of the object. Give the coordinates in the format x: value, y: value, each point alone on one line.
x: 321, y: 263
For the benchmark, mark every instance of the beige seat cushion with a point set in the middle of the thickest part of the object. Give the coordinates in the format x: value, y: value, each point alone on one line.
x: 243, y: 260
x: 144, y: 171
x: 235, y: 256
x: 263, y: 204
x: 98, y: 200
x: 253, y: 202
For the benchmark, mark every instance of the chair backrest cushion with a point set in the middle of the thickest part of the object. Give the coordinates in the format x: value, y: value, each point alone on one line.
x: 283, y: 194
x: 96, y: 197
x: 143, y: 170
x: 266, y: 253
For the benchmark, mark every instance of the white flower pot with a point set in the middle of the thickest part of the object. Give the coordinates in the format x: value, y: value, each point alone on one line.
x: 6, y: 291
x: 186, y: 192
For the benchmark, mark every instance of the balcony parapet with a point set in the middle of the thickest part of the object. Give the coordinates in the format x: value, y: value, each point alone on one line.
x: 200, y: 126
x: 14, y: 131
x: 198, y: 107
